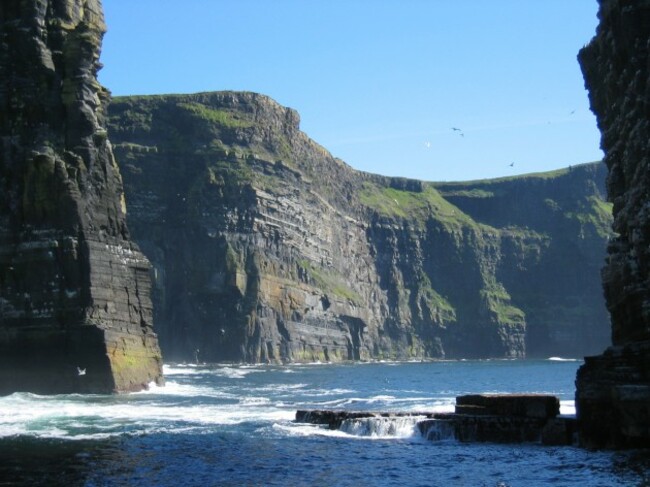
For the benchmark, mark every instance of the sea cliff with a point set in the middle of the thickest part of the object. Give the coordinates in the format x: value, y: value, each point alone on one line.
x: 613, y: 389
x: 75, y: 311
x: 266, y: 248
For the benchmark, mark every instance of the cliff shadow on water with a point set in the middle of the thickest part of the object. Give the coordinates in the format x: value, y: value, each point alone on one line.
x: 265, y: 248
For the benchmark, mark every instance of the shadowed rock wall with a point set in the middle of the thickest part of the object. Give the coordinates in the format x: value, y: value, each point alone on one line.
x: 267, y: 248
x: 74, y: 289
x: 613, y: 389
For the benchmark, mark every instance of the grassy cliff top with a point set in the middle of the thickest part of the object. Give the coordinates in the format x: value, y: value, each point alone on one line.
x: 258, y: 140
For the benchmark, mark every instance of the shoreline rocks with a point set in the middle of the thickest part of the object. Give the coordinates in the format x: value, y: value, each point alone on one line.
x: 497, y: 418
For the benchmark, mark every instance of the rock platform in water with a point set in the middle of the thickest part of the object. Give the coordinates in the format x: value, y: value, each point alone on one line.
x: 499, y: 418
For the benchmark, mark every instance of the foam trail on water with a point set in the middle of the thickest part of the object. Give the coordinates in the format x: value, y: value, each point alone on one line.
x: 83, y: 416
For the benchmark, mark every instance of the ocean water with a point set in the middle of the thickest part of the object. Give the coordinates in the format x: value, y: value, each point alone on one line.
x: 228, y: 425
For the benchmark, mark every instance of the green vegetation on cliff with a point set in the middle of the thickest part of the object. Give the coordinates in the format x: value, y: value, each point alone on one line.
x: 218, y: 117
x: 330, y: 281
x: 413, y: 206
x: 259, y: 231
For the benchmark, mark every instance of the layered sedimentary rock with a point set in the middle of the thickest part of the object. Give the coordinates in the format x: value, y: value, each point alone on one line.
x: 75, y: 311
x: 267, y: 248
x: 613, y: 389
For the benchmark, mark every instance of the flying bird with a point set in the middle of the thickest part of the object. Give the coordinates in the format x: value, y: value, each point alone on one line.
x: 81, y: 371
x: 456, y: 129
x: 511, y: 164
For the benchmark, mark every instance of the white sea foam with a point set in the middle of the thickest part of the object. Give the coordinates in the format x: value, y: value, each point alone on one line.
x: 396, y: 427
x: 301, y: 429
x: 327, y: 392
x: 76, y: 416
x: 568, y: 408
x: 235, y: 373
x: 282, y: 387
x: 364, y: 428
x: 169, y: 371
x: 173, y: 388
x: 254, y: 400
x: 204, y: 398
x: 562, y: 359
x: 232, y: 372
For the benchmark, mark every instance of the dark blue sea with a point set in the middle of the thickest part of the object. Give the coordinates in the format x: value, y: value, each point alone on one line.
x: 226, y: 425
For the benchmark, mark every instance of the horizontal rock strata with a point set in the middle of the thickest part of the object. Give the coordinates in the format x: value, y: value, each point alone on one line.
x: 613, y: 389
x: 521, y: 405
x: 267, y: 249
x: 75, y: 311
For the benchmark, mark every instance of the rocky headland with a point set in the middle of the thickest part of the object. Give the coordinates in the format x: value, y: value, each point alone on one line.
x: 613, y: 389
x: 266, y: 248
x: 75, y: 311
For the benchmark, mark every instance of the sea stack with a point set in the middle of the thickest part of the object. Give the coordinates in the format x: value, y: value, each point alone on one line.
x: 75, y: 311
x: 613, y: 389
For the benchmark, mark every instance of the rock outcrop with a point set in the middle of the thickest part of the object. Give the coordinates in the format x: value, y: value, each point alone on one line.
x: 613, y: 389
x: 75, y: 311
x: 496, y: 418
x: 267, y: 248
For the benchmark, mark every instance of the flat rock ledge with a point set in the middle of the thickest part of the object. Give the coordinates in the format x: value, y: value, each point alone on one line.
x: 497, y: 418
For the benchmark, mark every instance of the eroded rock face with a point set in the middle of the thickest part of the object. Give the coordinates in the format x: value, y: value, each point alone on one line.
x: 613, y: 389
x: 267, y: 248
x: 74, y: 289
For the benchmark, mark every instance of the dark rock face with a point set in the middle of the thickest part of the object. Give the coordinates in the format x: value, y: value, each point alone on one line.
x: 74, y: 289
x: 613, y: 389
x: 520, y: 405
x: 266, y: 248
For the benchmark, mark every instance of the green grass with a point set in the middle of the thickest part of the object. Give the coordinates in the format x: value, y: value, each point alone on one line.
x: 219, y: 117
x: 498, y: 301
x: 415, y: 206
x: 520, y: 177
x: 330, y: 281
x: 596, y: 213
x: 471, y: 193
x: 436, y: 303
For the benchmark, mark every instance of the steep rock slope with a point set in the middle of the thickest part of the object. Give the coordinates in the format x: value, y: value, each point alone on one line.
x: 74, y: 289
x: 561, y: 221
x: 267, y: 248
x: 613, y: 389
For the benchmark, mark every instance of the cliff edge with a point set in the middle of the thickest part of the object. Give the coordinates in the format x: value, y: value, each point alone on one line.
x: 75, y: 311
x: 613, y: 389
x: 267, y: 249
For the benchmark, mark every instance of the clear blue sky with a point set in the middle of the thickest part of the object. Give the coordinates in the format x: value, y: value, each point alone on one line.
x: 381, y: 83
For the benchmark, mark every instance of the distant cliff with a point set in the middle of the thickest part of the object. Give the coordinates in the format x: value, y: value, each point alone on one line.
x: 267, y: 248
x: 613, y: 389
x: 74, y: 289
